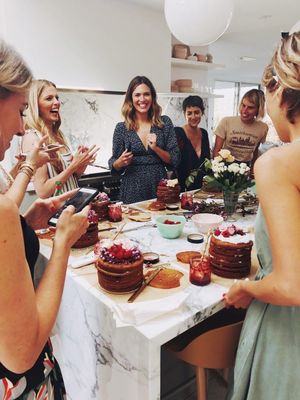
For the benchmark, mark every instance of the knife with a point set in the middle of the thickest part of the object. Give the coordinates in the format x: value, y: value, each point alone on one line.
x: 144, y: 285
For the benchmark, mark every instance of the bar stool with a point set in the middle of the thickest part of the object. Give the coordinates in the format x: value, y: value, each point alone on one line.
x: 213, y: 349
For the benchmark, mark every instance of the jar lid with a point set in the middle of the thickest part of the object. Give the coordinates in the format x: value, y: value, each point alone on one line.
x: 172, y: 207
x: 151, y: 257
x: 195, y: 238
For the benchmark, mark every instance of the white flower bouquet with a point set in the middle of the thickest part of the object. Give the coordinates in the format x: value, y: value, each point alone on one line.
x: 225, y: 174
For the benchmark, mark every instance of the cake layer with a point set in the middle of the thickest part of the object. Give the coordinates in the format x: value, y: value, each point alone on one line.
x: 230, y: 260
x: 89, y: 238
x: 120, y: 277
x: 168, y: 194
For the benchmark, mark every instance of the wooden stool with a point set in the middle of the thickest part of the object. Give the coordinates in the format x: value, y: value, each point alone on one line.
x: 213, y: 349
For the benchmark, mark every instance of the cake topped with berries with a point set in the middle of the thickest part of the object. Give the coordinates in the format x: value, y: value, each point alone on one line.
x: 230, y: 252
x: 120, y: 265
x: 90, y: 237
x: 100, y: 205
x: 168, y: 191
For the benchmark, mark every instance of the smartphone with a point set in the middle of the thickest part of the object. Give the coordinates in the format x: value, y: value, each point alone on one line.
x: 52, y: 147
x: 83, y: 197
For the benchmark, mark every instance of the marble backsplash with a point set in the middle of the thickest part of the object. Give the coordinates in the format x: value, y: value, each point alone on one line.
x: 89, y: 117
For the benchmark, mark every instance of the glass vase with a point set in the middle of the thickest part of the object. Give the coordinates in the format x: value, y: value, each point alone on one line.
x: 230, y: 203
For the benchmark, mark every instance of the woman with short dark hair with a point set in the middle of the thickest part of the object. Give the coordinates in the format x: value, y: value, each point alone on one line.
x: 193, y: 143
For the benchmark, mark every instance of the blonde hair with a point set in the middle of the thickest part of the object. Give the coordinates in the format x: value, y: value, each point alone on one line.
x: 256, y: 97
x: 15, y: 76
x: 284, y: 71
x: 128, y: 110
x: 33, y: 120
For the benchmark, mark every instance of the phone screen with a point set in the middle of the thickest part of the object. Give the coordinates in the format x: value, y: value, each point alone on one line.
x: 83, y: 197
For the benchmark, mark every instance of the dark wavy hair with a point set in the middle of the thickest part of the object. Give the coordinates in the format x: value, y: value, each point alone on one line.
x: 193, y: 101
x: 128, y: 110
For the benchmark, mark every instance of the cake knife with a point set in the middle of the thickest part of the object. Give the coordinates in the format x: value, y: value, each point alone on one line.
x: 144, y: 285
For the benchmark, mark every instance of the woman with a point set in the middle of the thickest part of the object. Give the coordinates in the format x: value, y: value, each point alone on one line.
x: 193, y: 143
x: 243, y: 134
x: 42, y: 118
x: 144, y: 144
x: 268, y: 356
x: 27, y: 367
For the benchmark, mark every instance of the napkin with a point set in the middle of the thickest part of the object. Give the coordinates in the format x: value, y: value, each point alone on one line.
x: 140, y: 312
x: 77, y: 262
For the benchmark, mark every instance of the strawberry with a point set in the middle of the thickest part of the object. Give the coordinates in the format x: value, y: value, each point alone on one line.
x: 217, y: 232
x: 226, y: 233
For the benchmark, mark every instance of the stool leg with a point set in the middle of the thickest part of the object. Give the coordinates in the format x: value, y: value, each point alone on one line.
x: 201, y: 383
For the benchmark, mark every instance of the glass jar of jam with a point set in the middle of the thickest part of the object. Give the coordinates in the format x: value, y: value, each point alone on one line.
x: 115, y: 212
x: 200, y: 271
x: 186, y: 201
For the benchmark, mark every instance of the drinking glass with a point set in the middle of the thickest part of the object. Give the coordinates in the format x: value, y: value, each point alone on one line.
x: 200, y: 270
x: 115, y: 212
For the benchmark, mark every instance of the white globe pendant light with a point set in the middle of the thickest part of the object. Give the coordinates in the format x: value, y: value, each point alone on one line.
x: 198, y: 22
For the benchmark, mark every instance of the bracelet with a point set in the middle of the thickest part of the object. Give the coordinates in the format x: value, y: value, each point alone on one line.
x: 27, y: 172
x: 28, y: 165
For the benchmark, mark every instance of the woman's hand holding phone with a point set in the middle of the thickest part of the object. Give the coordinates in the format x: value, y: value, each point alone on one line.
x: 71, y: 225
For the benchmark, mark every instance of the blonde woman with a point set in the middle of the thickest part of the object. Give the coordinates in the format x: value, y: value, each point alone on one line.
x: 28, y: 369
x: 144, y: 145
x: 268, y: 357
x: 243, y: 134
x: 43, y: 118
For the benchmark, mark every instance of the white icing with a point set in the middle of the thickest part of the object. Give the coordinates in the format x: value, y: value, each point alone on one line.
x: 235, y: 238
x: 172, y: 182
x: 127, y: 244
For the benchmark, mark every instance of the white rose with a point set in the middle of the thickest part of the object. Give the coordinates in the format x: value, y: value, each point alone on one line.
x: 224, y: 153
x: 243, y: 165
x: 230, y: 158
x: 218, y: 159
x: 234, y: 167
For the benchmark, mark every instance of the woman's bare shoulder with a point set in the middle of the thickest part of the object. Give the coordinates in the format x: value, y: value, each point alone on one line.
x: 8, y: 208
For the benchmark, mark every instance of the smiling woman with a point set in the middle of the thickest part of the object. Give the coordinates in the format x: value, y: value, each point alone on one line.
x: 144, y: 145
x: 43, y: 119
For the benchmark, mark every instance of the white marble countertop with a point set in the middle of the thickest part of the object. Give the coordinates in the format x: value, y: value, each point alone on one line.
x: 103, y: 358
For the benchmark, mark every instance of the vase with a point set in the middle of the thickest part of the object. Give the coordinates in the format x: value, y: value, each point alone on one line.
x: 230, y: 203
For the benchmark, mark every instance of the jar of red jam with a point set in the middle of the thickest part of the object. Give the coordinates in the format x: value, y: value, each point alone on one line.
x: 200, y: 271
x: 186, y: 201
x: 115, y: 212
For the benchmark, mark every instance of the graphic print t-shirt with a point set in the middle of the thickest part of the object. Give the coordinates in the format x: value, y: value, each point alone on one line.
x: 241, y: 139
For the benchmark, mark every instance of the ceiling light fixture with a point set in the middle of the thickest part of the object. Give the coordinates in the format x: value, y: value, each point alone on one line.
x: 246, y: 58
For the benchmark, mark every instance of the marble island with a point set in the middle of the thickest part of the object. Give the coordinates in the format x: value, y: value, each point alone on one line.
x: 111, y: 350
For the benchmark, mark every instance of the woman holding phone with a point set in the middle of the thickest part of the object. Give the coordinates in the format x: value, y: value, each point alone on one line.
x: 43, y: 118
x: 144, y: 145
x: 27, y: 367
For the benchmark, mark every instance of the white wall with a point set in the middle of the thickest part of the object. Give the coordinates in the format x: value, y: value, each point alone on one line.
x: 100, y: 44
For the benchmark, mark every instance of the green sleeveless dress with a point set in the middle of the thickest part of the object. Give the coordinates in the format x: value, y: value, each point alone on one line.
x: 268, y: 358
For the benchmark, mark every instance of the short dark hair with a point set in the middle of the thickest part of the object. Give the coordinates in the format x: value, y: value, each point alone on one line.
x: 193, y: 101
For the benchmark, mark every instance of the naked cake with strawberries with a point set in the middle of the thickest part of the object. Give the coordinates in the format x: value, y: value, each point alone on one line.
x: 119, y: 265
x: 230, y: 252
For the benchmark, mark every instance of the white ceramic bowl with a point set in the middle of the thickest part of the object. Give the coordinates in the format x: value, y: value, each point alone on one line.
x: 204, y: 222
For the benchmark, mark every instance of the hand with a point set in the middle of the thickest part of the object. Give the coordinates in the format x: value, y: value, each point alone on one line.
x: 41, y: 210
x: 71, y: 226
x: 151, y: 140
x: 237, y: 297
x: 38, y: 156
x: 83, y: 157
x: 124, y: 160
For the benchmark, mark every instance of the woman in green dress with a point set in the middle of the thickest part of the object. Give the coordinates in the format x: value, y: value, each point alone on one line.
x: 268, y: 357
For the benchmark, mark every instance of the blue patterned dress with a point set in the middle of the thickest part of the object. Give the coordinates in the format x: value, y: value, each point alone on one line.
x: 268, y: 358
x: 139, y: 179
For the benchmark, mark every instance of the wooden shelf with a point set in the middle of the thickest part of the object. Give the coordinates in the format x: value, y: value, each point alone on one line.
x: 178, y: 62
x: 181, y: 94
